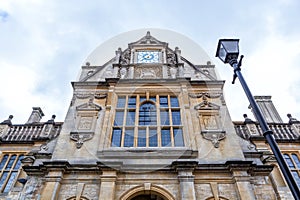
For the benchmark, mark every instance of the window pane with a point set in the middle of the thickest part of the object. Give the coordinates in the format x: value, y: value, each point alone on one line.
x: 152, y: 138
x: 165, y: 137
x: 18, y: 165
x: 119, y: 118
x: 163, y: 101
x: 4, y: 159
x: 178, y: 137
x: 116, y: 137
x: 3, y: 178
x: 129, y: 139
x: 147, y: 114
x: 142, y: 138
x: 176, y: 117
x: 296, y: 177
x: 174, y: 102
x: 289, y: 161
x: 131, y: 102
x: 142, y: 99
x: 11, y: 162
x: 130, y: 118
x: 152, y: 99
x: 296, y: 159
x: 164, y: 117
x: 10, y: 181
x: 121, y: 102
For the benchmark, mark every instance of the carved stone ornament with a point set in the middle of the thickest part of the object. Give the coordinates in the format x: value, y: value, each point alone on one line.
x: 81, y: 137
x: 215, y: 136
x: 148, y: 72
x: 171, y: 57
x: 125, y: 57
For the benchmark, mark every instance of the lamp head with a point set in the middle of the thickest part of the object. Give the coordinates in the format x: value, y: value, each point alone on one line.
x: 228, y: 49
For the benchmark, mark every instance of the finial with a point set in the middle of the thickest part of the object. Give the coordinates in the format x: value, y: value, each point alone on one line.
x: 148, y: 34
x: 87, y: 64
x: 247, y: 119
x: 51, y: 121
x: 208, y: 63
x: 8, y: 121
x: 292, y: 120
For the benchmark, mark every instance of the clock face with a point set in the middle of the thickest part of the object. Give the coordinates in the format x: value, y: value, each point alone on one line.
x: 147, y: 56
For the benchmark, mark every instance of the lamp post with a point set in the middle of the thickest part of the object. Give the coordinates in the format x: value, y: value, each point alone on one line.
x: 228, y: 52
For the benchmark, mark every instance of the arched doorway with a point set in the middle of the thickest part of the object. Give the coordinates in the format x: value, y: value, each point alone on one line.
x: 148, y: 197
x: 147, y: 193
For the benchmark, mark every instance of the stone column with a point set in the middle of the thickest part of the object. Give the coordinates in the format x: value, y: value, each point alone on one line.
x: 108, y: 183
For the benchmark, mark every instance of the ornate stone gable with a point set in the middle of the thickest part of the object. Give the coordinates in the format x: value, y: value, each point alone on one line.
x: 169, y: 64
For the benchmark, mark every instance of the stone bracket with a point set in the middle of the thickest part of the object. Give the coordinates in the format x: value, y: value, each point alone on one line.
x: 215, y: 136
x: 81, y: 137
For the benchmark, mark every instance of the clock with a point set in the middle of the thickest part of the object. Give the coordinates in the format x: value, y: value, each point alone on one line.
x: 147, y: 57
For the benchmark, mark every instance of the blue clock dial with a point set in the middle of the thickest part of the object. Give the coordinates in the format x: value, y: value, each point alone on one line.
x: 147, y: 56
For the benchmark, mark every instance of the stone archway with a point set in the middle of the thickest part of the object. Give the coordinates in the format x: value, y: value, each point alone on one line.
x: 147, y: 197
x: 150, y: 192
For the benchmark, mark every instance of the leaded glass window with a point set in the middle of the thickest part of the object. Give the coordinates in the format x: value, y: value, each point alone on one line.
x: 9, y: 170
x: 147, y: 121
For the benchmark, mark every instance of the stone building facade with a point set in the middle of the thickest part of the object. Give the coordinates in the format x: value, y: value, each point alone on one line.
x: 147, y: 123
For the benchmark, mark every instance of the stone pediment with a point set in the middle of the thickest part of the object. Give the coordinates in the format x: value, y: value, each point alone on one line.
x: 205, y: 105
x: 90, y: 106
x: 147, y: 40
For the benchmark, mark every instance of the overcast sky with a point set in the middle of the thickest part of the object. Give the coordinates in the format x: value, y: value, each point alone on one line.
x: 44, y: 43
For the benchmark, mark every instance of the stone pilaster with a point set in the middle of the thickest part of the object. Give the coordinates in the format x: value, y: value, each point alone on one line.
x: 52, y: 185
x: 186, y: 179
x: 108, y: 183
x: 239, y: 170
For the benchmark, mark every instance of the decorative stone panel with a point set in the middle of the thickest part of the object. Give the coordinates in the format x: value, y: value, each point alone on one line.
x: 85, y: 123
x: 209, y: 120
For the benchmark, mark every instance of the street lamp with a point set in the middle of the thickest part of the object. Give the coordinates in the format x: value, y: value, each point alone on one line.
x: 228, y: 52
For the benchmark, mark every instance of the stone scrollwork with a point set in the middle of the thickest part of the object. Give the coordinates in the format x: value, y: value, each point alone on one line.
x: 81, y: 137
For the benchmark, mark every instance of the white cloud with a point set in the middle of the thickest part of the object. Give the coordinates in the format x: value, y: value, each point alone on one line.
x: 43, y: 44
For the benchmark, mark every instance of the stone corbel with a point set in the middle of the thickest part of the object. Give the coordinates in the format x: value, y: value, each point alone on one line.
x: 215, y: 136
x: 81, y: 137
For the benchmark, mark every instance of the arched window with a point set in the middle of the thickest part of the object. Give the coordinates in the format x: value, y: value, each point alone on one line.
x: 153, y: 121
x: 147, y: 114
